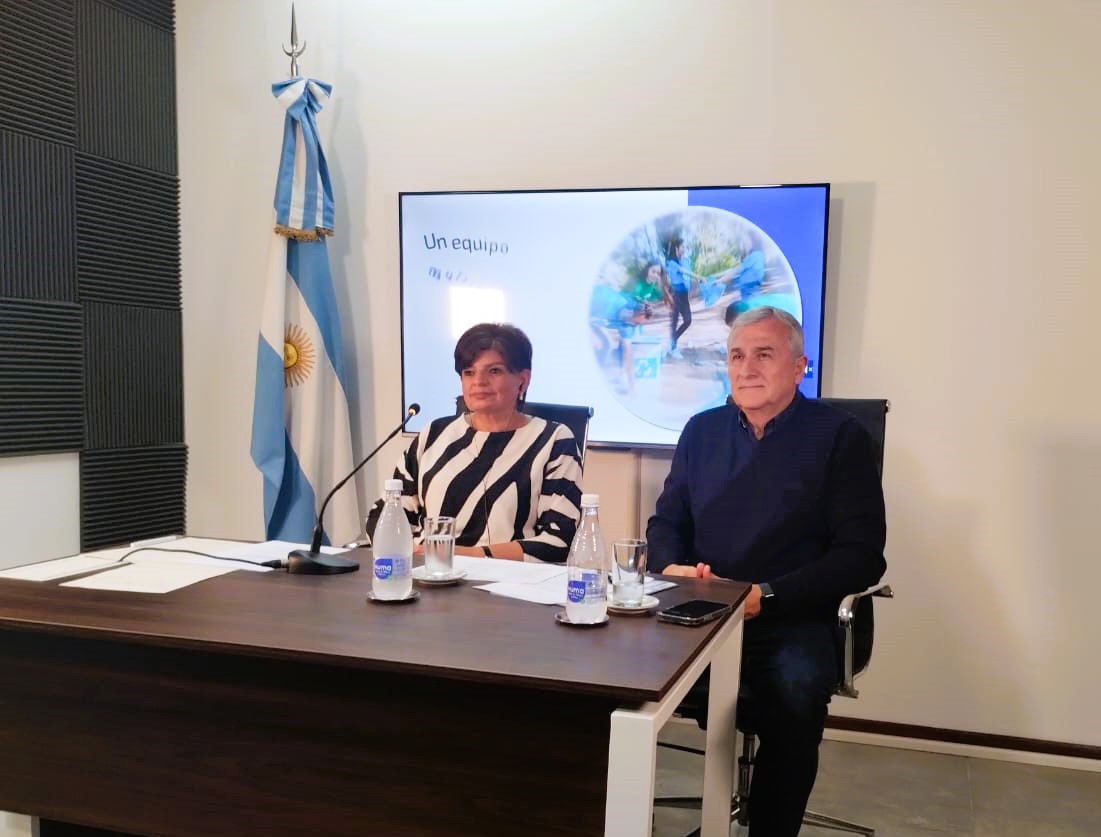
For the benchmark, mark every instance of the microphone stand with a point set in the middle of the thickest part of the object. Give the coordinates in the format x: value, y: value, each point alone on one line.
x: 313, y: 561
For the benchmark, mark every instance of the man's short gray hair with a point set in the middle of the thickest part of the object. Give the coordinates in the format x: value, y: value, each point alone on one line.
x: 767, y: 312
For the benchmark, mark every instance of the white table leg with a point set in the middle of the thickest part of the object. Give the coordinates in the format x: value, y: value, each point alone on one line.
x: 17, y: 825
x: 632, y: 761
x: 633, y: 739
x: 719, y: 758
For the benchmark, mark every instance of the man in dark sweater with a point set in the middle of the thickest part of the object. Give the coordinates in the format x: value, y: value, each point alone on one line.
x: 785, y: 493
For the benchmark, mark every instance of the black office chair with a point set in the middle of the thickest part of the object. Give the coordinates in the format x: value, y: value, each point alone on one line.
x: 575, y: 417
x: 855, y: 617
x: 872, y: 414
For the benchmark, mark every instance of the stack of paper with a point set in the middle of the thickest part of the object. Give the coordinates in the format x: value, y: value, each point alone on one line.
x: 539, y: 583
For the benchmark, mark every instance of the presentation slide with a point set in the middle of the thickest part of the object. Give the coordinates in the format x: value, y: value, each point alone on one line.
x: 625, y: 294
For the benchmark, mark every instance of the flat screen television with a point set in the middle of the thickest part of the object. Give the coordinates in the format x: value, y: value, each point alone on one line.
x: 587, y: 274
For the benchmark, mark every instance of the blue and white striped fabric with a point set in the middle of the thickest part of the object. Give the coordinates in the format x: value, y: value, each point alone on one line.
x: 303, y: 191
x: 301, y: 438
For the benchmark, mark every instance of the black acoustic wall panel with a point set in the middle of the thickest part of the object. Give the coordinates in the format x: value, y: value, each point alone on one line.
x: 134, y: 376
x: 37, y: 229
x: 90, y: 329
x: 41, y: 405
x: 158, y: 12
x: 126, y: 84
x: 128, y: 239
x: 37, y: 72
x: 128, y: 494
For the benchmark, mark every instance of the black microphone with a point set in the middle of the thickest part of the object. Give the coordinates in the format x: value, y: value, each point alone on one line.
x: 313, y: 561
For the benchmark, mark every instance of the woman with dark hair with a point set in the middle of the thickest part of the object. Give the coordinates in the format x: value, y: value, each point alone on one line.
x: 511, y: 481
x: 650, y: 286
x: 680, y: 283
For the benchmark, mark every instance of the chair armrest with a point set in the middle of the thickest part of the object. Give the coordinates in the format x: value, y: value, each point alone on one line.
x: 848, y: 604
x: 846, y: 614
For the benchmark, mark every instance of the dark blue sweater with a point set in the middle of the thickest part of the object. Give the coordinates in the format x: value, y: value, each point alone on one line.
x: 801, y: 508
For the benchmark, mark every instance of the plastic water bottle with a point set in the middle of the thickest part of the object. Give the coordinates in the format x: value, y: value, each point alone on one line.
x: 587, y: 568
x: 392, y: 548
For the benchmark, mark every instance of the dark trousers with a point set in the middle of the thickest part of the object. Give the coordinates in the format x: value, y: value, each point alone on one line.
x: 789, y: 670
x: 683, y: 308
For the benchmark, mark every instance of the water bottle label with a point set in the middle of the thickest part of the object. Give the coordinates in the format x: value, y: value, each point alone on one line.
x: 392, y: 567
x: 588, y: 586
x: 592, y: 584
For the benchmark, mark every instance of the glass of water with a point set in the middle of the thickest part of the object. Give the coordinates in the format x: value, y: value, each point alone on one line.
x: 439, y: 546
x: 628, y: 571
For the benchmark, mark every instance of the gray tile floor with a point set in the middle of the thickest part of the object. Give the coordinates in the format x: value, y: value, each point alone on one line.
x: 904, y: 793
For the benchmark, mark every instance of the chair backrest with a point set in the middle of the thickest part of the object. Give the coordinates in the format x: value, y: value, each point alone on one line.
x: 863, y: 633
x: 872, y: 414
x: 574, y: 416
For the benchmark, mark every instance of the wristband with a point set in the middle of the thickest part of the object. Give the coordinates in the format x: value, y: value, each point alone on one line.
x: 486, y: 552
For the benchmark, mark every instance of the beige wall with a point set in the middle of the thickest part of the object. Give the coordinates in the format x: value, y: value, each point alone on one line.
x: 39, y: 507
x: 961, y: 139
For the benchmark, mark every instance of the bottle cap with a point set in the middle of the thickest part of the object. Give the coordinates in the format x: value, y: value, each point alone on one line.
x: 392, y: 485
x: 590, y: 500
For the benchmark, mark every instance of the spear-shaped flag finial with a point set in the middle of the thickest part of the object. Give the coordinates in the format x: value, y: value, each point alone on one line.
x: 295, y: 50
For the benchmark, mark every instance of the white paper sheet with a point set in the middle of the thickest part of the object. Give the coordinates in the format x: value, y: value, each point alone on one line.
x: 656, y: 585
x: 58, y: 568
x: 498, y: 569
x: 167, y: 550
x: 549, y: 592
x: 258, y: 552
x: 552, y: 591
x: 148, y: 578
x: 183, y: 552
x: 114, y: 555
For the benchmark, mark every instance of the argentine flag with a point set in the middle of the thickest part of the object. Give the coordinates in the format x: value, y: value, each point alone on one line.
x: 301, y: 438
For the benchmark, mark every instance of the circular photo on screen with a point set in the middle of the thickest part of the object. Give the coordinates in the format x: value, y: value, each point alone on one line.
x: 662, y: 303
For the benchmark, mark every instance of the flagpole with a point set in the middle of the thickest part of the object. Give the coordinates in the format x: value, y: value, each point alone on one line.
x: 301, y: 433
x: 295, y: 50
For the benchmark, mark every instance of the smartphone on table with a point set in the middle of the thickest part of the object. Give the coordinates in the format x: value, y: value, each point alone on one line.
x: 694, y: 612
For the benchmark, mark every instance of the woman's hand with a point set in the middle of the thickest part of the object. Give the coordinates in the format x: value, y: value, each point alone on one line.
x: 471, y: 551
x: 508, y: 551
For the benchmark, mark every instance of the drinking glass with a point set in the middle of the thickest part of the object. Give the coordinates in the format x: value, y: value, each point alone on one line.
x: 628, y: 571
x: 439, y: 546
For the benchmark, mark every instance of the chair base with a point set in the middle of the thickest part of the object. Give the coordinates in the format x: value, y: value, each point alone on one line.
x: 739, y: 812
x: 825, y: 821
x: 739, y: 804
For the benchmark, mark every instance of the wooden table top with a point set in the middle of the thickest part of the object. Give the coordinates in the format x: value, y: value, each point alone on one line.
x: 452, y: 632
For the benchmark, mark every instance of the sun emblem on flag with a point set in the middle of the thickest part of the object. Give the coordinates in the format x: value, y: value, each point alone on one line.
x: 298, y: 356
